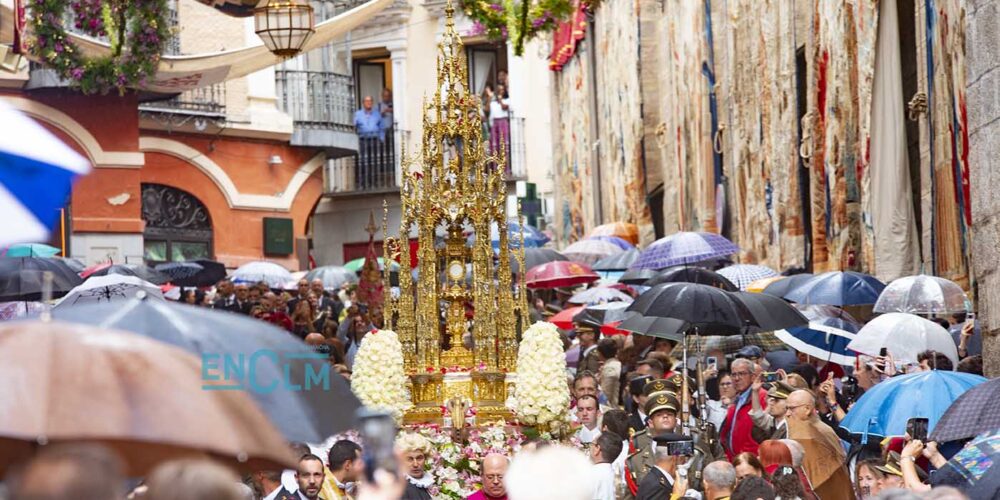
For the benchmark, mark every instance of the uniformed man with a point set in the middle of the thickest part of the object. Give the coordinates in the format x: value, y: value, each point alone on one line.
x: 661, y: 409
x: 590, y: 361
x: 769, y: 423
x: 659, y: 482
x: 637, y: 419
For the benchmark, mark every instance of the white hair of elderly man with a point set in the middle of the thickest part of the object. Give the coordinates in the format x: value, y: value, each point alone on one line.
x: 550, y: 472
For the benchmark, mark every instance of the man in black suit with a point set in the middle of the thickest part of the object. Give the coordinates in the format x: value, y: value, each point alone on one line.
x: 325, y: 301
x: 637, y: 419
x: 664, y: 478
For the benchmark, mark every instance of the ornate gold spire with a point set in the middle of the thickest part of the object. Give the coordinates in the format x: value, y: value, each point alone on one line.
x: 451, y: 188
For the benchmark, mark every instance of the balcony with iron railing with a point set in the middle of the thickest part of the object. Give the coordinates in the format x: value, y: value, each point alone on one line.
x: 373, y: 169
x: 321, y: 105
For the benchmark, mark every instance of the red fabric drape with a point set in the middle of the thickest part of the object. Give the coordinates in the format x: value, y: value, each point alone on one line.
x: 566, y: 36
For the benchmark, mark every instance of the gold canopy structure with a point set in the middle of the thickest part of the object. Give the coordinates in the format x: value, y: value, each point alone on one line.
x: 452, y: 187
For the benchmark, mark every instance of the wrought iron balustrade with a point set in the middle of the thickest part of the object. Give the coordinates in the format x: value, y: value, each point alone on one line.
x: 317, y: 98
x: 373, y: 169
x: 207, y: 101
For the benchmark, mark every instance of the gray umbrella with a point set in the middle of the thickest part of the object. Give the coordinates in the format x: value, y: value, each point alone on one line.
x: 280, y: 372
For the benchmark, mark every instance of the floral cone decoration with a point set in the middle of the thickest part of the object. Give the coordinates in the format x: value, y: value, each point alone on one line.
x: 541, y: 394
x: 378, y: 379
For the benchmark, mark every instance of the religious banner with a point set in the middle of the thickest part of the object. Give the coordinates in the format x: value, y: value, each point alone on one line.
x: 619, y: 118
x: 565, y: 37
x: 761, y: 136
x: 836, y: 132
x: 947, y: 214
x: 573, y: 170
x: 685, y: 134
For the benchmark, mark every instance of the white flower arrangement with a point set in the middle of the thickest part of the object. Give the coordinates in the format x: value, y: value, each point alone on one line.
x: 541, y: 394
x: 378, y: 378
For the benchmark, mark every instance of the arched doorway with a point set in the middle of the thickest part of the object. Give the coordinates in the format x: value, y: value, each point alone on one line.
x: 178, y: 226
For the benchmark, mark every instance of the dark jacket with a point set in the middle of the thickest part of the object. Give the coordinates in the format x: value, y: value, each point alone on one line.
x: 655, y: 486
x: 415, y: 493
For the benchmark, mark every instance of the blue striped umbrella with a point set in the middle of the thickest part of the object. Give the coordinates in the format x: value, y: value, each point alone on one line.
x: 36, y: 174
x: 823, y: 338
x: 684, y: 248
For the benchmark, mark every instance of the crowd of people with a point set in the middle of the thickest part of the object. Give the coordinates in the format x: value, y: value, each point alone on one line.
x: 333, y: 321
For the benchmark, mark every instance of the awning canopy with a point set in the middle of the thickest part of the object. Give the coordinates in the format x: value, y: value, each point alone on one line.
x: 180, y: 73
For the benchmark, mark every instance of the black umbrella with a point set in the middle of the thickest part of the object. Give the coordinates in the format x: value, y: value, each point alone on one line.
x: 770, y: 313
x: 617, y: 262
x: 781, y: 287
x: 664, y: 328
x: 270, y: 357
x: 140, y: 271
x: 973, y: 413
x: 22, y: 278
x: 687, y: 274
x: 211, y: 273
x: 637, y: 276
x: 705, y: 309
x: 74, y: 264
x: 536, y: 257
x: 179, y: 270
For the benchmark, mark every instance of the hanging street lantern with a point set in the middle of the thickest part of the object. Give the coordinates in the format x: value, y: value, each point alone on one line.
x: 284, y: 25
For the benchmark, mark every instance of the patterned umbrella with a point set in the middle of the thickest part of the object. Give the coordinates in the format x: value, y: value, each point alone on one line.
x: 624, y: 230
x: 599, y: 295
x: 884, y: 409
x: 922, y: 294
x: 274, y: 275
x: 837, y: 288
x: 614, y: 240
x: 111, y: 288
x: 742, y: 275
x: 333, y: 276
x: 559, y: 274
x: 684, y: 248
x: 618, y: 262
x: 972, y: 414
x: 589, y: 251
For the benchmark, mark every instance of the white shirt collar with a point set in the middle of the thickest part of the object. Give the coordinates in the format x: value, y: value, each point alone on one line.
x: 424, y: 482
x: 670, y: 477
x: 272, y: 494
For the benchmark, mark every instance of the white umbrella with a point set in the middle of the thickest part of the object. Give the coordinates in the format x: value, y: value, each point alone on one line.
x: 922, y: 294
x: 599, y: 295
x: 590, y: 251
x: 274, y: 275
x: 109, y: 288
x: 904, y: 336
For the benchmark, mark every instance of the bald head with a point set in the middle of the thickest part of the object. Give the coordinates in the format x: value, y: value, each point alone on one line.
x: 494, y: 470
x: 315, y: 339
x: 801, y: 405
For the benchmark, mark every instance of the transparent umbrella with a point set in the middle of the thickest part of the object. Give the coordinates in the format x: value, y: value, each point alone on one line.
x: 922, y: 294
x: 904, y: 336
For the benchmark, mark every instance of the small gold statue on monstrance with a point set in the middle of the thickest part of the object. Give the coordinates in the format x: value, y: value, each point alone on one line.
x: 452, y: 188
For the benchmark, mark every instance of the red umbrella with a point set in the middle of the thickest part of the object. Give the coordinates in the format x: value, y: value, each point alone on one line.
x: 612, y: 329
x: 93, y: 269
x: 559, y: 273
x: 564, y: 319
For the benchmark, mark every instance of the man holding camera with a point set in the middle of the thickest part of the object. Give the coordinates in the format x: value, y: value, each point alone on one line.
x: 668, y: 476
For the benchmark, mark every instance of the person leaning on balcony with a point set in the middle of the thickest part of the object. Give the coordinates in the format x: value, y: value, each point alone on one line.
x: 367, y: 121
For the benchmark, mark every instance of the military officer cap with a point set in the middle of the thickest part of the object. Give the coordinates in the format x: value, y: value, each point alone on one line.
x: 659, y: 385
x: 637, y: 385
x: 780, y: 390
x: 662, y: 401
x: 677, y: 379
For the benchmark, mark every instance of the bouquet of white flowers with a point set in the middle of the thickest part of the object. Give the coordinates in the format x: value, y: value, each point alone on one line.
x: 541, y: 393
x: 378, y: 378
